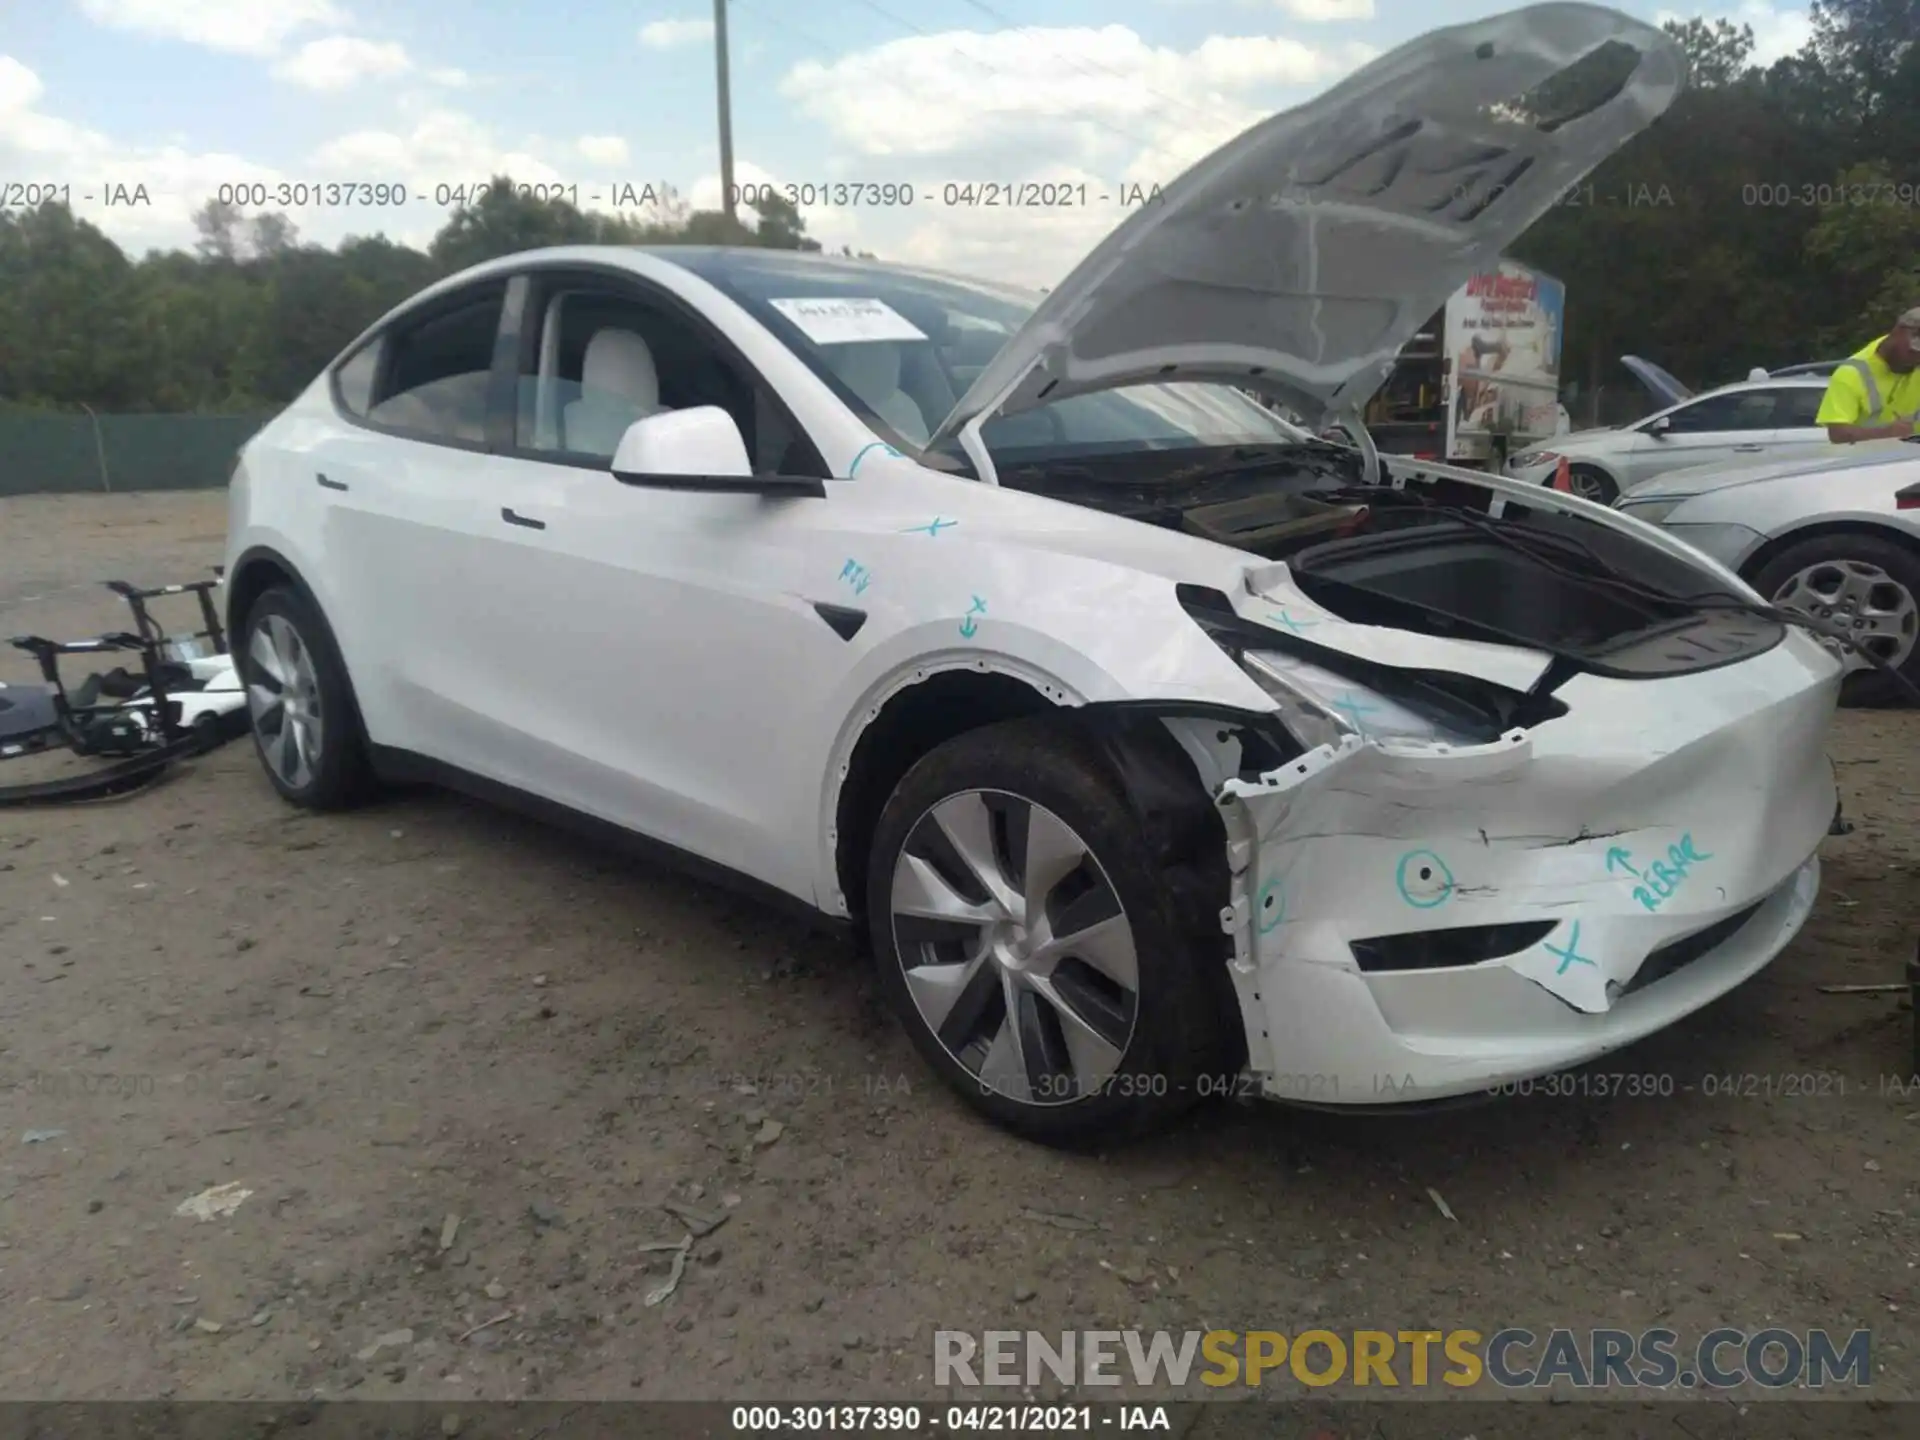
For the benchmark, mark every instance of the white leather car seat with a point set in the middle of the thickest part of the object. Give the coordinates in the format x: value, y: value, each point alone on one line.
x: 871, y: 369
x: 619, y: 385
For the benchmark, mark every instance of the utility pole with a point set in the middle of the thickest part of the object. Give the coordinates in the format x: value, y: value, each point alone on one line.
x: 726, y: 109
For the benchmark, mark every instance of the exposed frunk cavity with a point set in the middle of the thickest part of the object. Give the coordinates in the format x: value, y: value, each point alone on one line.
x: 1547, y: 592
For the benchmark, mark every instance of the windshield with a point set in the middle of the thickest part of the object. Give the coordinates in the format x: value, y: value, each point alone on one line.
x: 902, y: 346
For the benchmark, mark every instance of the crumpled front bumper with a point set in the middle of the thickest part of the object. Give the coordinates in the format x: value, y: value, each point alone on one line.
x: 1666, y: 833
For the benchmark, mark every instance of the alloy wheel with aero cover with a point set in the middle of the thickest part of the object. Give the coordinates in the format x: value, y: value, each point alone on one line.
x: 300, y: 704
x: 1026, y: 941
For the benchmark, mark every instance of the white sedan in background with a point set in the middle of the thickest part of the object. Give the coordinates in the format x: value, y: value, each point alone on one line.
x: 1157, y: 750
x: 1770, y: 419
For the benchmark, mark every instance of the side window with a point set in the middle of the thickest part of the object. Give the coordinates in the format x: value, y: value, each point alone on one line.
x: 432, y: 382
x: 604, y: 357
x: 1798, y: 409
x: 1748, y: 410
x: 353, y: 380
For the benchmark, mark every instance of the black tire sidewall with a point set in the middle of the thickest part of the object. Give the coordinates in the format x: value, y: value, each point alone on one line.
x: 339, y: 776
x: 1864, y: 687
x: 1176, y: 1037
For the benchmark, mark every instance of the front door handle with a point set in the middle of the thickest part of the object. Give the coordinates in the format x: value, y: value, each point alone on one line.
x: 1746, y: 448
x: 326, y: 484
x: 526, y: 520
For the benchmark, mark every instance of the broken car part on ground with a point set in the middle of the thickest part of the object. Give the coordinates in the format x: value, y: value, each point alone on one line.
x: 184, y: 699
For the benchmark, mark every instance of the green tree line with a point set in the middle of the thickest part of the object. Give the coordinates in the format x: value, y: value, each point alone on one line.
x: 1772, y: 216
x: 247, y: 318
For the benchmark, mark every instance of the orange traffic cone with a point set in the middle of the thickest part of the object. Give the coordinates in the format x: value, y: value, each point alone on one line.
x: 1562, y: 479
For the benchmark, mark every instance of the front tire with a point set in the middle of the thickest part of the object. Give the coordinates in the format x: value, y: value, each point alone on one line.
x: 1867, y: 585
x: 300, y: 704
x: 1592, y: 484
x: 1027, y: 941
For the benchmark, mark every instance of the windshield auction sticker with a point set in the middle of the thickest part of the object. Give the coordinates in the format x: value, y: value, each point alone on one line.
x: 847, y: 320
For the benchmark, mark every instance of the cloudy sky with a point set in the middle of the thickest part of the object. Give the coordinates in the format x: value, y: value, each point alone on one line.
x: 184, y: 96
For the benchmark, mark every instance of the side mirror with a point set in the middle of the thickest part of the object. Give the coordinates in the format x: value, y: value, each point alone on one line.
x: 1659, y: 428
x: 699, y: 441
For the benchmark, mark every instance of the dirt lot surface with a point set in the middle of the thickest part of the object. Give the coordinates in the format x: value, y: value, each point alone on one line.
x: 460, y: 1064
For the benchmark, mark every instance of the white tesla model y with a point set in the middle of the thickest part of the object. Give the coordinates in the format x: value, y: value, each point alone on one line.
x: 1158, y: 748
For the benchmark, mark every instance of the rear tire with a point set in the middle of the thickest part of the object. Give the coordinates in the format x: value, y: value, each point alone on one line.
x: 1845, y: 578
x: 1021, y: 833
x: 300, y: 704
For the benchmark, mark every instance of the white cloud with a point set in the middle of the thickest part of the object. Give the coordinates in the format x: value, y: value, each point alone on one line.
x: 1327, y: 10
x: 246, y: 27
x: 667, y: 34
x: 602, y: 149
x: 1778, y: 31
x: 342, y: 61
x: 1086, y: 111
x: 1045, y: 92
x: 19, y: 86
x: 43, y: 148
x: 444, y: 147
x: 451, y: 78
x: 437, y: 148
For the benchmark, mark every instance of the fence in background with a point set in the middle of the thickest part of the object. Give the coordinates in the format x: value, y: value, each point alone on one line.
x: 84, y: 453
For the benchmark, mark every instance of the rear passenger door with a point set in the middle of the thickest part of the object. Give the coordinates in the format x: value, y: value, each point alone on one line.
x: 398, y: 483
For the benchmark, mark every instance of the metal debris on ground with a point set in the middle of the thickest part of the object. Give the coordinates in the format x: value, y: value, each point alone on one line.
x: 184, y: 699
x: 40, y: 1137
x: 1439, y: 1203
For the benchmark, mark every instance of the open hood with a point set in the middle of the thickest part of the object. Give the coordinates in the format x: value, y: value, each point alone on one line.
x: 1300, y: 257
x: 1666, y: 390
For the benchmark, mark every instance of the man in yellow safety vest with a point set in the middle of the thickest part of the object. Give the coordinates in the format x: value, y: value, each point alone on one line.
x: 1875, y: 394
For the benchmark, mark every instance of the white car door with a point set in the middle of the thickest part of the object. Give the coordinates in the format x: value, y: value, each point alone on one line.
x: 640, y: 650
x: 1711, y: 430
x: 396, y: 480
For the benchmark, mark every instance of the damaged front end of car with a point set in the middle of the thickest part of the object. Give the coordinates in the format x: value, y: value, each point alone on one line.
x: 1489, y: 861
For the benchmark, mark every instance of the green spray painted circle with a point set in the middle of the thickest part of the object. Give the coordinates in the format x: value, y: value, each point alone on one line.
x: 1271, y: 895
x: 1427, y: 869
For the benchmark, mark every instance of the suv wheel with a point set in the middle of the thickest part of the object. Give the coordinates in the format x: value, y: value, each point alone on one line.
x: 1026, y: 940
x: 300, y: 705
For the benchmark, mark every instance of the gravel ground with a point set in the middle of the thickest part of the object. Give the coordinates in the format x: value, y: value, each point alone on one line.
x: 460, y: 1064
